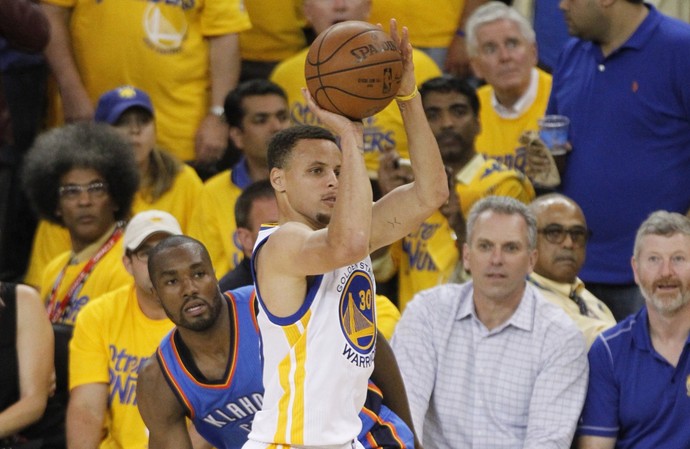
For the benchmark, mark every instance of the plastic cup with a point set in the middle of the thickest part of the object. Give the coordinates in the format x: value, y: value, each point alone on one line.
x: 553, y: 131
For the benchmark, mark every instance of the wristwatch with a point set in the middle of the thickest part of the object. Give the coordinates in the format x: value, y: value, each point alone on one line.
x: 218, y: 111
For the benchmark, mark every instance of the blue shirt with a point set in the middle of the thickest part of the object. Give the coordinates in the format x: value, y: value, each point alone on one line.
x: 630, y: 131
x: 634, y: 394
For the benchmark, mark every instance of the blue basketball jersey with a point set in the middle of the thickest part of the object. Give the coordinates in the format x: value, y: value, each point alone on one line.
x: 221, y: 411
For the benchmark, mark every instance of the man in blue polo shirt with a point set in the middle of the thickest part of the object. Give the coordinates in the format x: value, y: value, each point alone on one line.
x: 639, y: 382
x: 624, y: 84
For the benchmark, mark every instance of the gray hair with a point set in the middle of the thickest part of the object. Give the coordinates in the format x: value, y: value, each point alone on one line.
x: 505, y: 205
x: 662, y: 223
x: 491, y: 12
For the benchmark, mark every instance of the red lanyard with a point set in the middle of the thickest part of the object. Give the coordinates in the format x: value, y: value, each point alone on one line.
x: 57, y: 308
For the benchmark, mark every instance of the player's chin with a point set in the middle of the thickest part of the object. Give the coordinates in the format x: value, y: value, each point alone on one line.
x: 323, y: 218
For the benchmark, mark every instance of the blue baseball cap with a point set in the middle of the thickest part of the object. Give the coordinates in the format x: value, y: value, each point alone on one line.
x: 113, y: 103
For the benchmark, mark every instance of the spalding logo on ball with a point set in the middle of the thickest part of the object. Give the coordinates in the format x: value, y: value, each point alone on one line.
x: 354, y: 69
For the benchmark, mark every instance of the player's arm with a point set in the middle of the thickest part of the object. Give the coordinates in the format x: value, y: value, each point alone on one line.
x: 592, y: 442
x: 85, y: 415
x: 160, y: 409
x: 224, y: 61
x: 387, y: 377
x: 343, y: 242
x: 35, y: 363
x: 75, y: 100
x: 401, y: 211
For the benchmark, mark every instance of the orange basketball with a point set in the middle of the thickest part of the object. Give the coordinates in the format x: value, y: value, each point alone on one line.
x: 354, y: 69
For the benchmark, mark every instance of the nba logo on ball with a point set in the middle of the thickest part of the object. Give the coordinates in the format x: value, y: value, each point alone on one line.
x: 354, y: 69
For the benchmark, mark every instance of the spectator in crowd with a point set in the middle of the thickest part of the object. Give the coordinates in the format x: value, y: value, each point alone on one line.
x: 491, y: 363
x: 166, y: 183
x: 255, y: 206
x: 184, y: 54
x: 430, y: 255
x: 113, y: 337
x: 256, y: 111
x: 562, y: 236
x: 24, y: 32
x: 83, y: 177
x: 277, y: 33
x: 437, y: 31
x: 382, y: 131
x: 502, y: 49
x: 639, y: 387
x: 26, y: 357
x: 622, y: 83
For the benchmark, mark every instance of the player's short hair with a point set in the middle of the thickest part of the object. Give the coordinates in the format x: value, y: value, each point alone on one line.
x: 505, y: 205
x: 173, y: 241
x: 448, y: 83
x: 661, y: 223
x: 243, y: 206
x: 491, y: 12
x: 79, y: 146
x: 234, y: 112
x: 281, y: 145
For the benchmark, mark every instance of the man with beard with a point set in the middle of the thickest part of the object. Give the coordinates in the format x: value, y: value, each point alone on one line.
x: 639, y: 386
x: 561, y: 241
x: 430, y: 255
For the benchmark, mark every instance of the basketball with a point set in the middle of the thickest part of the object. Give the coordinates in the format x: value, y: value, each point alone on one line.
x: 353, y: 68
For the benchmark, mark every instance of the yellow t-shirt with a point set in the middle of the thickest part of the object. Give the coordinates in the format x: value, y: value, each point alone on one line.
x: 499, y: 136
x: 107, y: 275
x: 599, y: 317
x: 381, y: 131
x: 213, y: 222
x: 431, y: 24
x: 112, y: 340
x: 51, y: 239
x: 159, y: 47
x: 276, y: 31
x: 428, y: 257
x: 387, y: 316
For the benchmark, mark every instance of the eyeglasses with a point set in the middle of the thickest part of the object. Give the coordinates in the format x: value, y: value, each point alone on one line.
x: 556, y: 233
x: 74, y: 191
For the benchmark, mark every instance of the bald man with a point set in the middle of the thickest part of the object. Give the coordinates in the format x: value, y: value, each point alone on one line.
x: 561, y: 242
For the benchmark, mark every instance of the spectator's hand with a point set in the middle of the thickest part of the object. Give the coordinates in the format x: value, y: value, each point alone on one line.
x: 457, y: 59
x: 540, y: 167
x: 453, y: 212
x: 393, y: 171
x: 76, y: 105
x: 211, y: 139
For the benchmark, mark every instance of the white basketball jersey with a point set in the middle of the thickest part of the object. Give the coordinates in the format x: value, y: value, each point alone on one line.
x: 317, y: 362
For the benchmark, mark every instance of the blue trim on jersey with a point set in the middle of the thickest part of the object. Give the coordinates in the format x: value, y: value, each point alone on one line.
x: 239, y: 175
x: 308, y: 300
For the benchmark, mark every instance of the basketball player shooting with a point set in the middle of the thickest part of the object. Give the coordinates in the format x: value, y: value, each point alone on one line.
x: 313, y: 273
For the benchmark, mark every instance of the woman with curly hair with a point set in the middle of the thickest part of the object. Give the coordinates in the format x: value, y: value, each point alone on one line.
x: 166, y: 183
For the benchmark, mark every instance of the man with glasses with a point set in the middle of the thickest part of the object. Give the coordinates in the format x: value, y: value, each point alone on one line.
x: 113, y: 336
x: 490, y: 363
x: 561, y: 241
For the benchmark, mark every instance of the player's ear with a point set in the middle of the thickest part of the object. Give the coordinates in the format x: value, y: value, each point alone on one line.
x: 277, y: 177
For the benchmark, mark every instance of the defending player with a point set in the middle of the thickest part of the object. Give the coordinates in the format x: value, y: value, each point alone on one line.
x: 313, y: 272
x: 208, y: 369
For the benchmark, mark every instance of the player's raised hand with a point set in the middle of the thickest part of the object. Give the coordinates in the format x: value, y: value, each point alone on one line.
x: 338, y: 124
x: 402, y: 40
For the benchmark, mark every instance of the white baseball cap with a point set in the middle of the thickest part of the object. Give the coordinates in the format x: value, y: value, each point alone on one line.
x: 145, y: 224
